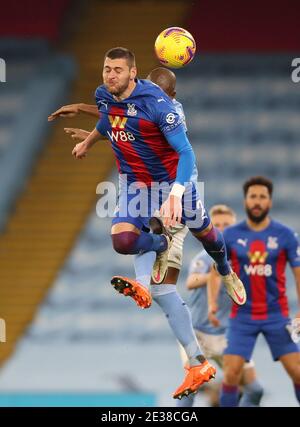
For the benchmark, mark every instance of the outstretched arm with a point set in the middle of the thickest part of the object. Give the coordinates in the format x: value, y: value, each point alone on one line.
x: 76, y: 133
x: 73, y: 109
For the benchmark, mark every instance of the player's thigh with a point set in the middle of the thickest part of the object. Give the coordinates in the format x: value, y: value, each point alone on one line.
x: 278, y: 338
x: 241, y: 338
x: 291, y: 363
x: 121, y: 227
x: 132, y: 210
x: 171, y: 276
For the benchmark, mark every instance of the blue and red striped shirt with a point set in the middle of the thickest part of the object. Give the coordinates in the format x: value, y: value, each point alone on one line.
x: 259, y: 258
x: 138, y: 128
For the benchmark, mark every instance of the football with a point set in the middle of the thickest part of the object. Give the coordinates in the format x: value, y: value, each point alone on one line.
x: 175, y: 47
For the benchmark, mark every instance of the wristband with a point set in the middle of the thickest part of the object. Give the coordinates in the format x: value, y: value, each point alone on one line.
x: 177, y: 190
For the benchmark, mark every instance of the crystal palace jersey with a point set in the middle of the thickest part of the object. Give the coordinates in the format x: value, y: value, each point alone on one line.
x: 137, y: 128
x: 259, y: 258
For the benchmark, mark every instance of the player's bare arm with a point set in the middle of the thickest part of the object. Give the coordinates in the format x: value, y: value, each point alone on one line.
x: 197, y: 280
x: 80, y: 150
x: 75, y: 133
x: 213, y: 290
x: 73, y: 109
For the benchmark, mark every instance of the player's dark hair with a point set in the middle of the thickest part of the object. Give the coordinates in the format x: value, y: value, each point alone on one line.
x: 258, y: 180
x: 121, y: 52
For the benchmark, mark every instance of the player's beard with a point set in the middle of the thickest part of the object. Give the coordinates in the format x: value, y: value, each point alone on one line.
x: 119, y: 89
x: 258, y: 217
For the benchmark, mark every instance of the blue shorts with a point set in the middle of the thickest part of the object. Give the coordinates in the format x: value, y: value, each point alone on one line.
x: 136, y: 205
x: 241, y: 336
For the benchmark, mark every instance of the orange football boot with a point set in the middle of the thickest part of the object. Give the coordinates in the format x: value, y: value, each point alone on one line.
x: 195, y: 377
x: 132, y: 288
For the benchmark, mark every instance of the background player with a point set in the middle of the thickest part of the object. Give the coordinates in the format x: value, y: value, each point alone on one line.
x: 259, y: 249
x: 212, y: 338
x: 151, y: 146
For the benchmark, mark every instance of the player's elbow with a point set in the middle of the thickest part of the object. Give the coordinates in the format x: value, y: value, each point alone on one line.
x: 191, y: 282
x: 188, y: 152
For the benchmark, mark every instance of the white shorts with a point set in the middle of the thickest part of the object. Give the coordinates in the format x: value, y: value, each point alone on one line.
x: 179, y: 233
x: 213, y: 347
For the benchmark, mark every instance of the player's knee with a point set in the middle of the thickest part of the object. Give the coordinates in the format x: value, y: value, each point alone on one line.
x: 124, y: 242
x: 232, y: 375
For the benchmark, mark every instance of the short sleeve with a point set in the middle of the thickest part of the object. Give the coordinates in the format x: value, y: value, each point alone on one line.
x: 180, y: 111
x: 293, y: 248
x: 97, y: 96
x: 101, y: 101
x: 166, y: 116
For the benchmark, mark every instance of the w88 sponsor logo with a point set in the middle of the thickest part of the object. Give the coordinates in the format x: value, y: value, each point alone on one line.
x: 258, y: 270
x: 120, y: 135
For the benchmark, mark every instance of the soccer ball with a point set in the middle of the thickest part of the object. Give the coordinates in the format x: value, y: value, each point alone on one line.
x: 175, y: 47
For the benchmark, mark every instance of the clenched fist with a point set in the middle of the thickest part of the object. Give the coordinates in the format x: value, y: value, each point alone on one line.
x: 80, y: 150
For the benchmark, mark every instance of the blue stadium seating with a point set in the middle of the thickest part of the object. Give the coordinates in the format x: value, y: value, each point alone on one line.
x: 37, y: 80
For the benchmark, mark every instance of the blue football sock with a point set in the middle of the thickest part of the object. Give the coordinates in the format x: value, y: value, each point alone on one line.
x: 179, y: 319
x: 143, y: 265
x: 151, y: 242
x: 229, y: 395
x: 252, y: 394
x: 213, y: 243
x: 297, y: 391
